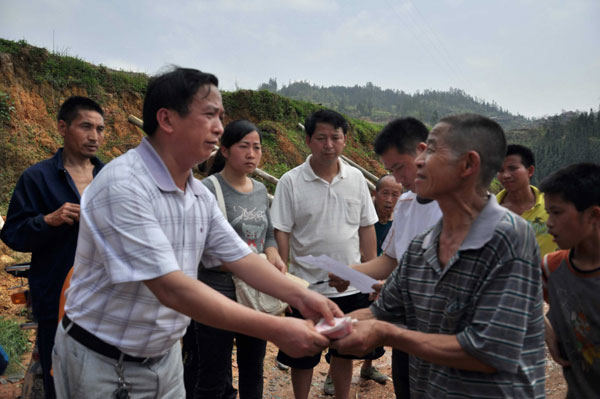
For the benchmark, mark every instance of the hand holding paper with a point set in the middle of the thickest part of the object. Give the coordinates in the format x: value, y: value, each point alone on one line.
x: 357, y: 279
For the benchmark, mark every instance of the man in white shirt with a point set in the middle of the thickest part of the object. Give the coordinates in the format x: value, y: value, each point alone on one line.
x: 398, y: 144
x: 323, y: 207
x: 145, y: 224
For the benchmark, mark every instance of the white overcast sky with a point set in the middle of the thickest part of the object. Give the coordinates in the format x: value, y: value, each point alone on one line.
x: 533, y: 57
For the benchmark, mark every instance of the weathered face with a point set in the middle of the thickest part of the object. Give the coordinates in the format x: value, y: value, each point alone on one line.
x: 513, y: 175
x: 401, y: 166
x: 326, y: 143
x: 565, y: 223
x: 387, y: 196
x: 244, y: 156
x: 84, y: 135
x: 437, y: 166
x: 198, y: 132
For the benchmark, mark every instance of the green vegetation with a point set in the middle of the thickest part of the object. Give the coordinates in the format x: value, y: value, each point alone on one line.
x: 14, y: 341
x: 63, y: 71
x: 263, y: 105
x: 53, y: 76
x: 10, y: 47
x: 556, y: 141
x: 6, y: 108
x: 565, y: 140
x: 371, y: 102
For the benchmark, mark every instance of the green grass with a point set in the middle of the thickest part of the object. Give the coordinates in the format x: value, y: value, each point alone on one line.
x: 15, y: 343
x: 8, y: 46
x: 65, y: 71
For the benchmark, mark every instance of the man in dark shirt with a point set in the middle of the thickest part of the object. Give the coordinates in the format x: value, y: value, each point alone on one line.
x: 387, y: 192
x: 43, y: 215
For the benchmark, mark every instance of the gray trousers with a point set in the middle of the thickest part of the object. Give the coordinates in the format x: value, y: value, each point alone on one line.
x: 80, y: 372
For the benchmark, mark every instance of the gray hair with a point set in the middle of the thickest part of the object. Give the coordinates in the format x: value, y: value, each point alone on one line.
x: 471, y: 132
x: 382, y: 179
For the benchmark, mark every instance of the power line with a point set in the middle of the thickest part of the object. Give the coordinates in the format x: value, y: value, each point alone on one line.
x: 413, y: 28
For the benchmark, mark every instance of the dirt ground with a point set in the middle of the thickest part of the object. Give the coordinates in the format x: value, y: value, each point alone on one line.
x: 277, y: 383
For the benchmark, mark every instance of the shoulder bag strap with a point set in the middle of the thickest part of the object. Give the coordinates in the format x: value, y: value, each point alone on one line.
x: 218, y: 194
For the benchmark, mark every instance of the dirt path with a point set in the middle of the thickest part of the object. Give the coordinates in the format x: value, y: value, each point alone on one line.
x: 277, y: 383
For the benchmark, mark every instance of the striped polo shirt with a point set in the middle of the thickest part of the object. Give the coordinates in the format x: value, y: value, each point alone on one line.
x: 137, y: 225
x: 489, y: 296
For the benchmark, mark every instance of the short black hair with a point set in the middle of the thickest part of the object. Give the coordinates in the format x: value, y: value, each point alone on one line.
x: 527, y: 158
x: 69, y: 109
x: 328, y: 116
x: 173, y: 90
x: 578, y: 183
x: 234, y: 132
x: 403, y: 134
x: 472, y: 132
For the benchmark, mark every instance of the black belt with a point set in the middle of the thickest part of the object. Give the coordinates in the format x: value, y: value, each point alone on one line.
x: 94, y: 343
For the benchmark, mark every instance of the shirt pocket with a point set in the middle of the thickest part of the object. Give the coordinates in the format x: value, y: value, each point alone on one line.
x: 353, y: 212
x: 456, y: 316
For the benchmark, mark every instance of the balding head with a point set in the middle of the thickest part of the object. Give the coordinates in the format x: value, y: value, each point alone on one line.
x: 387, y: 192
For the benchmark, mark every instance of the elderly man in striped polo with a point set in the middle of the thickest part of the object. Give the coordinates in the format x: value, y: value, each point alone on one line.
x: 466, y: 301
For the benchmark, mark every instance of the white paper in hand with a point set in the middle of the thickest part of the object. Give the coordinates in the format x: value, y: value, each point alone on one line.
x: 357, y: 279
x: 341, y: 327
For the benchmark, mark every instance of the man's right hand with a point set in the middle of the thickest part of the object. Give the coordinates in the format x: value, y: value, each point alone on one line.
x: 315, y: 306
x: 299, y: 338
x: 67, y: 213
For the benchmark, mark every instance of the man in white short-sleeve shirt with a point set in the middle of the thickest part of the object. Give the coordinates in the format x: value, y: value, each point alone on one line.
x: 323, y: 207
x: 145, y: 224
x: 398, y: 144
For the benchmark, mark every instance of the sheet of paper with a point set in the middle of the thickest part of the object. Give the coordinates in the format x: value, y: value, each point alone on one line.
x: 357, y: 279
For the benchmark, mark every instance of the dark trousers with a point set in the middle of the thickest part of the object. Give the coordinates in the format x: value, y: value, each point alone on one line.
x: 207, y: 363
x: 400, y: 374
x: 46, y: 332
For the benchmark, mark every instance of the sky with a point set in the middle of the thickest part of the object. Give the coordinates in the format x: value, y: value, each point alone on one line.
x: 532, y: 57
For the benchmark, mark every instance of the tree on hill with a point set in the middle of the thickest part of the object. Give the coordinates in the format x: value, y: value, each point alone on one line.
x: 565, y: 141
x: 372, y: 102
x: 270, y: 86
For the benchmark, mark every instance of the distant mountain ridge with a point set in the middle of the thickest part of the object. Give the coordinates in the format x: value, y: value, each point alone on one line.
x: 556, y: 141
x: 379, y: 105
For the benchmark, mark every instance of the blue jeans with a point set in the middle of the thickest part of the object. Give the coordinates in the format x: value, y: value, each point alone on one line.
x: 207, y: 363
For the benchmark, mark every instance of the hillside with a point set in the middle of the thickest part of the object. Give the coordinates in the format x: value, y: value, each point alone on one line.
x: 375, y: 104
x: 34, y: 82
x: 556, y: 141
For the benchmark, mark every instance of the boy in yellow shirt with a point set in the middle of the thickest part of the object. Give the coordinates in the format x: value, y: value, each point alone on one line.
x: 521, y: 197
